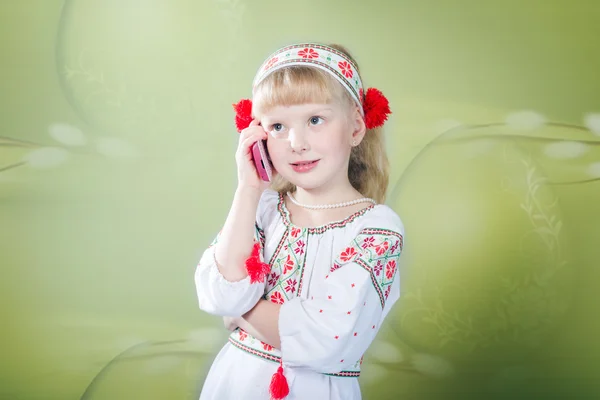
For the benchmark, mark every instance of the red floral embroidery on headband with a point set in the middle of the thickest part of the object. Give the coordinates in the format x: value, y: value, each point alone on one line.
x: 308, y: 53
x: 346, y: 69
x: 270, y: 63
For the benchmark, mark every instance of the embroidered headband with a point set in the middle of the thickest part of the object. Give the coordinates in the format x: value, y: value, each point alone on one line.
x: 373, y: 105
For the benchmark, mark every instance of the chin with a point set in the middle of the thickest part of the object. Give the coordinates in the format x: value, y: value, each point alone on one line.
x: 308, y: 183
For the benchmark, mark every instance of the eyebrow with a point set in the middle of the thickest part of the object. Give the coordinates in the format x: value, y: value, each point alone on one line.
x: 320, y: 109
x: 310, y: 112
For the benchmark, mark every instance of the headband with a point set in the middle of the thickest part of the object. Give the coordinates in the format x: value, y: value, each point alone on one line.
x: 373, y: 105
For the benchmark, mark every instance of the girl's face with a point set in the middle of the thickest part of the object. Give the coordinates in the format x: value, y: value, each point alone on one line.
x: 310, y: 144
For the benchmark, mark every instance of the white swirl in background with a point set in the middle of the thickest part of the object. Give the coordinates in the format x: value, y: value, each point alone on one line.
x: 46, y: 157
x: 67, y: 134
x: 525, y: 120
x: 565, y: 149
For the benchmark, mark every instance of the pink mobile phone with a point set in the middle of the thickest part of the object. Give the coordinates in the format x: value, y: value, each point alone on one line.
x: 262, y: 161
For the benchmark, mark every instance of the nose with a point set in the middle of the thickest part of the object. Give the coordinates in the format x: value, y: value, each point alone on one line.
x: 298, y: 141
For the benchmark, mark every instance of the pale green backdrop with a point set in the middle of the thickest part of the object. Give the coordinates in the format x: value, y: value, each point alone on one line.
x: 116, y: 170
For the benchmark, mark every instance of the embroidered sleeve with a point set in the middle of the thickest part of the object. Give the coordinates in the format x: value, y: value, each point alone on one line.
x: 330, y: 332
x: 377, y: 251
x: 218, y: 296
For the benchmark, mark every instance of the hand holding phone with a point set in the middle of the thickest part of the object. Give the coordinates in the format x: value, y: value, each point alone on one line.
x: 254, y: 165
x: 262, y: 162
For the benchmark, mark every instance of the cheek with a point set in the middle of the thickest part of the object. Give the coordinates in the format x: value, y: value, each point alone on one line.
x: 276, y: 150
x: 334, y: 143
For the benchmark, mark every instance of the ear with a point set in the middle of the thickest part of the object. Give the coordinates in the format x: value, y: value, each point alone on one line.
x: 358, y: 127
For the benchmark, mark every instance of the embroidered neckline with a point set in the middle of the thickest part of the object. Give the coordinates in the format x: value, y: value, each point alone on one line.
x: 285, y: 215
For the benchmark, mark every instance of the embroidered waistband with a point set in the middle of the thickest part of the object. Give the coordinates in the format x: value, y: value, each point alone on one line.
x: 267, y: 354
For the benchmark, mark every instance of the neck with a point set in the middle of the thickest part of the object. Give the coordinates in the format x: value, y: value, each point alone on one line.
x: 329, y: 195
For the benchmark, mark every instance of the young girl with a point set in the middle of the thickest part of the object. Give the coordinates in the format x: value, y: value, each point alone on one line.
x: 307, y: 270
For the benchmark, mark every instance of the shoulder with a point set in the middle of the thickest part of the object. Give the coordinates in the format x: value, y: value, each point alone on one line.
x: 268, y: 206
x: 381, y: 218
x: 268, y: 199
x: 377, y: 234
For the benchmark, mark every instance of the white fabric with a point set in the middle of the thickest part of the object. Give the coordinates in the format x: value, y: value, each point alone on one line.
x: 328, y: 321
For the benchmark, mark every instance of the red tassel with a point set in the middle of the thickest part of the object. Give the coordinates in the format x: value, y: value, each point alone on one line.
x: 279, y: 388
x: 243, y: 114
x: 257, y: 270
x: 376, y: 107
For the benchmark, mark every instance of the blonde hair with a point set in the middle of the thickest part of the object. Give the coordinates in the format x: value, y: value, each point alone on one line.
x: 368, y: 168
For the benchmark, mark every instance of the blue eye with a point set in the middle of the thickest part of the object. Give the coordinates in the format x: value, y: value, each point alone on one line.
x: 277, y: 127
x: 316, y: 120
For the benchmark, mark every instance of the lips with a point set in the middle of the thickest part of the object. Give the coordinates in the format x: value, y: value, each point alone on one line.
x: 305, y: 162
x: 304, y: 166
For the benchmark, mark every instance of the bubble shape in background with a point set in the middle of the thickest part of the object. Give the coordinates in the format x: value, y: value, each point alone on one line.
x: 142, y: 72
x: 156, y: 370
x: 488, y: 276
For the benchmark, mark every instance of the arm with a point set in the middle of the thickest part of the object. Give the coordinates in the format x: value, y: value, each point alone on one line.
x: 264, y: 315
x: 222, y: 284
x: 331, y: 332
x: 236, y: 239
x: 262, y: 322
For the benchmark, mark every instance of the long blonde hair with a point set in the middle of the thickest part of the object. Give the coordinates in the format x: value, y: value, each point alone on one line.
x: 368, y: 168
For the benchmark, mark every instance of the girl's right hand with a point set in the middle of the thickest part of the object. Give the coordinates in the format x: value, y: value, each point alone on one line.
x: 247, y: 174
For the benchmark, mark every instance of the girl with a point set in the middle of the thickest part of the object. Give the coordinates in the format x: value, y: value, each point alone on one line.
x: 308, y: 268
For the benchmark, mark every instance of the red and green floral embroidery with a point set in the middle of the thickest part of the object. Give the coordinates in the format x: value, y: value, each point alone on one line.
x: 276, y: 297
x: 377, y: 251
x: 268, y: 352
x: 308, y: 53
x: 324, y: 57
x: 270, y: 63
x: 345, y: 68
x: 287, y: 265
x: 390, y: 269
x: 349, y: 254
x: 334, y: 267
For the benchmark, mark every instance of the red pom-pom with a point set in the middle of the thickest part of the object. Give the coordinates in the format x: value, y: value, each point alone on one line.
x: 243, y: 114
x: 376, y: 107
x: 257, y: 270
x: 279, y: 388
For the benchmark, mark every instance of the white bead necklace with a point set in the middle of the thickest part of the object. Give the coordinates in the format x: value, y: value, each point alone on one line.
x: 327, y: 206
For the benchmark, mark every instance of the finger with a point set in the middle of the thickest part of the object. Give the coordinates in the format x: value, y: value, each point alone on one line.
x: 260, y: 135
x: 251, y: 130
x: 250, y: 140
x: 247, y: 144
x: 255, y: 122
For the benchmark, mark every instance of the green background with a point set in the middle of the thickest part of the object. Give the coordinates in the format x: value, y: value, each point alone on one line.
x: 116, y: 170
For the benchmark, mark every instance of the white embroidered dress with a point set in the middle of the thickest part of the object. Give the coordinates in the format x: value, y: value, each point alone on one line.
x: 336, y: 284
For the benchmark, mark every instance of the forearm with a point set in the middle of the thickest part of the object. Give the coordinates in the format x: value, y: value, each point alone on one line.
x: 237, y: 236
x: 245, y: 325
x: 263, y: 320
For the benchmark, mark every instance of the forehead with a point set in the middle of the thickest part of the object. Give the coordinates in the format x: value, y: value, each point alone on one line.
x: 301, y: 110
x: 296, y: 85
